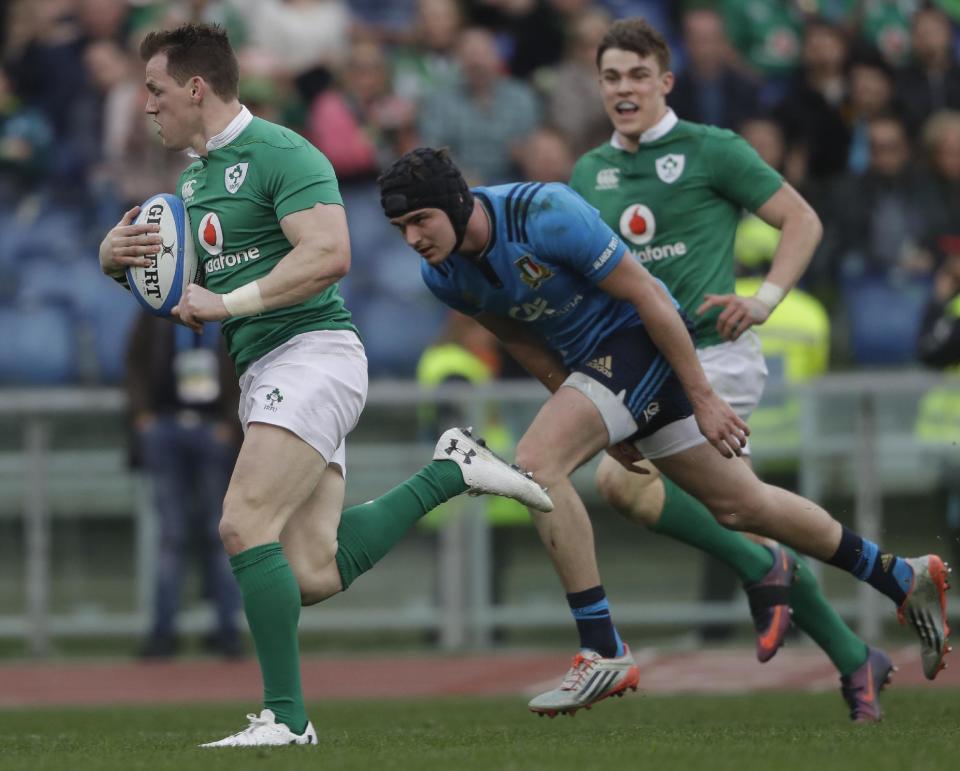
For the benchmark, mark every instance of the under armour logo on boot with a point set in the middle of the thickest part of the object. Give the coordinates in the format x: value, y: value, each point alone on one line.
x: 453, y: 448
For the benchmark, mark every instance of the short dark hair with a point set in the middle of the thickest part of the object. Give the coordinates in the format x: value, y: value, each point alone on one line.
x: 638, y: 36
x: 197, y: 49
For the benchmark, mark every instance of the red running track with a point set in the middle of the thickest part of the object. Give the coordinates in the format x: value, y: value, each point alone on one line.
x: 523, y: 673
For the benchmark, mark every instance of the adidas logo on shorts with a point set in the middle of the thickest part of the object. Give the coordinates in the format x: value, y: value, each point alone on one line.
x: 603, y: 365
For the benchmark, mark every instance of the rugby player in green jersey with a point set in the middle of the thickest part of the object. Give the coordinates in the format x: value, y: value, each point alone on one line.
x: 270, y: 230
x: 675, y: 191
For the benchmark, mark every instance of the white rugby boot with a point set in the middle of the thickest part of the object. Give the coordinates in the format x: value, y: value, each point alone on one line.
x: 925, y: 608
x: 487, y: 473
x: 265, y: 731
x: 591, y: 678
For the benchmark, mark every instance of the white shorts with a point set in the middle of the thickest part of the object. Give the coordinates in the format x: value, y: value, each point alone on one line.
x: 314, y: 385
x: 737, y: 371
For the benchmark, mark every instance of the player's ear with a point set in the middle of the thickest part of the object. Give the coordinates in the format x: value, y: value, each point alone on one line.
x: 196, y: 87
x: 667, y: 80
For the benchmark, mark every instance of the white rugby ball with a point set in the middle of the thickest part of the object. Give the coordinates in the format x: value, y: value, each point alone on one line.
x: 160, y: 286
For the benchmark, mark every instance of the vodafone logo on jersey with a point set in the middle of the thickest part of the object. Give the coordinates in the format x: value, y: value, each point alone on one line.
x: 637, y: 224
x: 210, y: 234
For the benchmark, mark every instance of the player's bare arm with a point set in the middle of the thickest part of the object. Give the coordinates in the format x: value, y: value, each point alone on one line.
x: 319, y: 258
x: 631, y: 282
x: 800, y: 232
x: 128, y: 245
x: 528, y: 349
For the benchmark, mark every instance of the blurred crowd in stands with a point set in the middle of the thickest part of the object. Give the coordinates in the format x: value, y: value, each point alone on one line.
x: 856, y: 102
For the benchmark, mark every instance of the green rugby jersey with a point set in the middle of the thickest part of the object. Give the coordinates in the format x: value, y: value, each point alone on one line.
x: 255, y: 174
x: 676, y: 203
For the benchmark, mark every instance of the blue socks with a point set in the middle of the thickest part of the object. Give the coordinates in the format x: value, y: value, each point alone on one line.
x: 885, y: 572
x: 591, y: 611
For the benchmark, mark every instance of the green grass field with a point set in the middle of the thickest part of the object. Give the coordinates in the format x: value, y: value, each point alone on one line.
x: 769, y: 731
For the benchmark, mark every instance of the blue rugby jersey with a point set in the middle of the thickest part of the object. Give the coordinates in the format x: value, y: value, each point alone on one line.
x: 549, y: 249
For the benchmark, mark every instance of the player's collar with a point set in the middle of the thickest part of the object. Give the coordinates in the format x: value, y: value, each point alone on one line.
x: 652, y: 134
x: 232, y: 131
x: 492, y: 222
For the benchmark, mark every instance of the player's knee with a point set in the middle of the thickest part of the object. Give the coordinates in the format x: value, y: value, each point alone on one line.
x: 237, y: 533
x: 528, y: 458
x: 627, y: 493
x: 637, y: 497
x: 249, y: 518
x: 755, y: 507
x: 231, y: 537
x: 740, y: 507
x: 545, y: 468
x: 729, y: 519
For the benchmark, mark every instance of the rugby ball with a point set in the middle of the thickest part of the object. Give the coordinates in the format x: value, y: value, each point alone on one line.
x: 160, y: 286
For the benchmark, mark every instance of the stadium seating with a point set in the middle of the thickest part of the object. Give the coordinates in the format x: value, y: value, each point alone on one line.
x: 884, y: 317
x: 50, y: 234
x: 101, y: 313
x: 39, y: 345
x: 110, y: 325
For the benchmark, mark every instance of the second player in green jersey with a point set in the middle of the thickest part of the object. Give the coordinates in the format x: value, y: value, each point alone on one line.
x: 675, y: 192
x: 676, y: 201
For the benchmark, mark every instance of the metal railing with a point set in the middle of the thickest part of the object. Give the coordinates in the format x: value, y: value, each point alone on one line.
x: 858, y: 427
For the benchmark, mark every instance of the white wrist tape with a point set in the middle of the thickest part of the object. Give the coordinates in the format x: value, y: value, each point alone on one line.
x: 770, y: 294
x: 245, y: 301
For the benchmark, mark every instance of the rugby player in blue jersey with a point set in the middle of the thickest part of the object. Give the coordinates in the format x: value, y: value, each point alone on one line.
x: 536, y: 265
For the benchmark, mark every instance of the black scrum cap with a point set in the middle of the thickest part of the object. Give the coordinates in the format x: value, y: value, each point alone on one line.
x: 427, y: 179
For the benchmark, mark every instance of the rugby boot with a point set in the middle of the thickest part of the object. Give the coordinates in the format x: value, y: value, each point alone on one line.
x: 265, y: 731
x: 770, y: 603
x: 591, y: 678
x: 861, y: 688
x: 925, y: 608
x: 487, y: 473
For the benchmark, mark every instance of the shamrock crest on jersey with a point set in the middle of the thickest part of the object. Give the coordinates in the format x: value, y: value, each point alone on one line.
x: 234, y: 176
x: 670, y: 167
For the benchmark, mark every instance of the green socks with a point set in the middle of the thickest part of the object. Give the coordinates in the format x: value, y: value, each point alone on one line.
x: 367, y: 532
x: 685, y: 519
x: 271, y: 600
x: 271, y: 596
x: 814, y: 615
